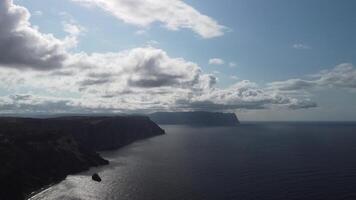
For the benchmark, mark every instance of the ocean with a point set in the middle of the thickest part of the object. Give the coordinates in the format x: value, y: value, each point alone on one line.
x: 254, y: 161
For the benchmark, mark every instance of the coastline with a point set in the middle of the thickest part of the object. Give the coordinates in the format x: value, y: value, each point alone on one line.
x: 40, y: 153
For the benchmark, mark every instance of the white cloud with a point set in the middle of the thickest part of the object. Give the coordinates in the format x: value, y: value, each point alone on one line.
x: 22, y: 45
x: 243, y: 95
x: 151, y: 43
x: 137, y: 80
x: 342, y: 76
x: 139, y: 75
x: 27, y: 103
x: 38, y: 13
x: 99, y: 98
x: 174, y: 14
x: 141, y: 32
x: 216, y: 61
x: 141, y: 67
x: 73, y: 28
x: 232, y: 64
x: 301, y: 46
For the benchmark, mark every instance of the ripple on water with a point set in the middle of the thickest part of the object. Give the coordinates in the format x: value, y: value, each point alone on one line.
x: 262, y: 162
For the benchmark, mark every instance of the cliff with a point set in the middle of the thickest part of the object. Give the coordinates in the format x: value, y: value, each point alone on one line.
x: 195, y: 118
x: 107, y: 133
x: 37, y: 152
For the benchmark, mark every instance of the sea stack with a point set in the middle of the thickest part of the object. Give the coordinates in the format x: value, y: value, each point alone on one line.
x: 96, y: 177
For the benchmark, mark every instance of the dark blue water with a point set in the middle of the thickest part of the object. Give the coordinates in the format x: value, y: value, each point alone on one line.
x: 276, y: 161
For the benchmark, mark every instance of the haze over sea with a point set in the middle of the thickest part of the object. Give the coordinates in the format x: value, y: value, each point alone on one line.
x: 307, y: 161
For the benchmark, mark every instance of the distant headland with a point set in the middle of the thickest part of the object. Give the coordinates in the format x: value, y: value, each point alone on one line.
x: 195, y: 118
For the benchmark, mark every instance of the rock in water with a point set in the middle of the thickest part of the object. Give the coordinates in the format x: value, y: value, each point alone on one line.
x: 96, y: 177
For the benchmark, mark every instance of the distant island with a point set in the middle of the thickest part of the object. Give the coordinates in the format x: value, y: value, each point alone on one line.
x: 195, y: 118
x: 38, y: 152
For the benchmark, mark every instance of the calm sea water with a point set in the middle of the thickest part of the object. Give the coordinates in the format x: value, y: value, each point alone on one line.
x: 276, y: 161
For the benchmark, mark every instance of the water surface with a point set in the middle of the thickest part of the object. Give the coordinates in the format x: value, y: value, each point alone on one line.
x: 253, y: 161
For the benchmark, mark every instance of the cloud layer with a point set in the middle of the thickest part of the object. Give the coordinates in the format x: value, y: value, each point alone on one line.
x: 342, y: 76
x: 174, y: 14
x: 143, y: 79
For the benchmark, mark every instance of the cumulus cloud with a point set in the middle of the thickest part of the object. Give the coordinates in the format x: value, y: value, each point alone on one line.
x: 216, y: 61
x: 140, y: 76
x: 138, y: 80
x: 145, y: 67
x: 25, y: 103
x: 22, y: 45
x: 142, y: 79
x: 174, y: 14
x: 243, y: 95
x: 35, y: 104
x: 341, y: 76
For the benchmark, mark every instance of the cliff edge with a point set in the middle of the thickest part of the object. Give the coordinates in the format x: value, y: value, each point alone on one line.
x: 38, y: 152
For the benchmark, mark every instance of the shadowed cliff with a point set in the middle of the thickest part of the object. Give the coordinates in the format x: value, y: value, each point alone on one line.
x: 37, y: 152
x: 106, y: 133
x: 195, y: 118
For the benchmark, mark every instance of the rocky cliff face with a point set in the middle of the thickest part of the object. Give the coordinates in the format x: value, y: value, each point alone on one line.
x: 107, y: 133
x: 195, y: 118
x: 38, y: 152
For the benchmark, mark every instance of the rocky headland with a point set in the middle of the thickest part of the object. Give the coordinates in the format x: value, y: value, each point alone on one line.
x: 38, y: 152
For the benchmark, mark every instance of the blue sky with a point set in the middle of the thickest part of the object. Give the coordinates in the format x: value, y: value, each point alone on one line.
x: 262, y: 42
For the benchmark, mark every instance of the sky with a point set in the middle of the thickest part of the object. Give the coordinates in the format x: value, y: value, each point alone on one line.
x: 271, y: 60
